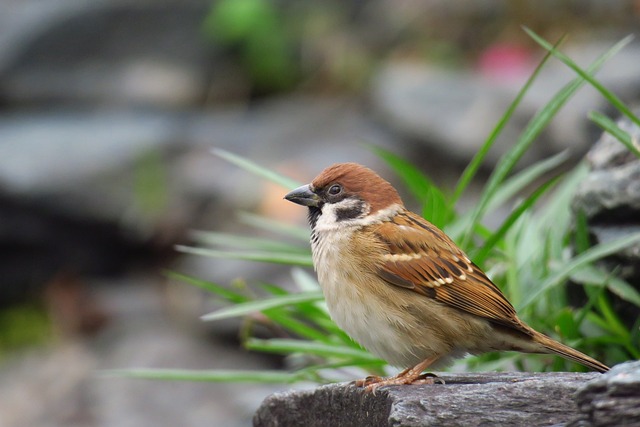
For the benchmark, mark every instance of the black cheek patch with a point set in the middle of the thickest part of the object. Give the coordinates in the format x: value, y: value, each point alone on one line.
x: 351, y: 212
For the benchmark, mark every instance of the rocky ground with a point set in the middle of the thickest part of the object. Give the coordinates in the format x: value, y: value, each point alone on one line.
x: 491, y: 398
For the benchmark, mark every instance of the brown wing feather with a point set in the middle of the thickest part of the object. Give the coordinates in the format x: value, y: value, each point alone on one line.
x: 420, y: 257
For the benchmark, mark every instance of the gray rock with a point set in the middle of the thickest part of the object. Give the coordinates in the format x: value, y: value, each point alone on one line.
x: 86, y: 162
x: 612, y: 188
x: 72, y: 199
x: 610, y: 198
x: 109, y: 51
x: 82, y: 163
x: 610, y: 194
x: 43, y: 151
x: 450, y: 111
x: 609, y: 153
x: 612, y: 399
x: 506, y: 399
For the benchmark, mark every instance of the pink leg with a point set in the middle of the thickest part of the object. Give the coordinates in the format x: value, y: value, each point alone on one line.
x: 408, y: 376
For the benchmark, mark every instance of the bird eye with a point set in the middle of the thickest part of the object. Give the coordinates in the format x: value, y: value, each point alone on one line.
x: 335, y: 189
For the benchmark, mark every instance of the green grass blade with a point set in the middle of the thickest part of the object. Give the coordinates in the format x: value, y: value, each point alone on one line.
x: 533, y: 129
x: 435, y: 204
x: 317, y: 313
x: 268, y: 224
x: 328, y: 325
x: 581, y: 238
x: 296, y: 327
x: 273, y: 289
x: 287, y: 258
x: 437, y: 208
x: 288, y: 346
x: 210, y: 238
x: 594, y: 253
x: 624, y: 290
x: 609, y: 126
x: 349, y: 363
x: 256, y: 169
x: 615, y: 325
x: 473, y: 166
x: 214, y: 375
x: 556, y: 217
x: 587, y: 75
x: 510, y: 188
x: 209, y: 287
x: 593, y: 297
x: 250, y: 307
x: 518, y: 182
x: 523, y: 207
x: 417, y: 183
x: 305, y: 281
x: 594, y: 276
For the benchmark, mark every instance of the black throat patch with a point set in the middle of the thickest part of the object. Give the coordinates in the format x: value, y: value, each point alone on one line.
x: 314, y: 214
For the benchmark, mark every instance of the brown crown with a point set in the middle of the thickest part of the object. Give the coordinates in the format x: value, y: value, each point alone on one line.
x: 361, y: 181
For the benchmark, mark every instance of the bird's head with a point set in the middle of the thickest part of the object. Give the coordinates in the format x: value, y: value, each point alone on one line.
x: 345, y: 192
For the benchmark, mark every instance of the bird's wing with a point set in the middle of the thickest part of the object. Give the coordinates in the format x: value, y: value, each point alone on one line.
x: 420, y: 257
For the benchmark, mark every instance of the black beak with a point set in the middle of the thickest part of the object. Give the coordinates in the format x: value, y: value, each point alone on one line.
x: 303, y: 196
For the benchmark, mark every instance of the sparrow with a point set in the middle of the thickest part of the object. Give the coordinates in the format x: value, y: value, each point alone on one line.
x: 400, y: 287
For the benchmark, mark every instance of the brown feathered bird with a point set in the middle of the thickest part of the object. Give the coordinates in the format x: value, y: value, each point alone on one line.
x: 400, y: 287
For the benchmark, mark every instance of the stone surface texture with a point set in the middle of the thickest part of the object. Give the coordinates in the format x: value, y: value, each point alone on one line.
x: 611, y: 192
x: 483, y: 399
x: 612, y: 399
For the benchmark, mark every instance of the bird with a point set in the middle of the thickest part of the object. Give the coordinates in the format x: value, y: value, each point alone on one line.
x: 400, y: 287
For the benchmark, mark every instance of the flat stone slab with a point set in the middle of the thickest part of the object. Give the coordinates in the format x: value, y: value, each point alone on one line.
x: 474, y: 399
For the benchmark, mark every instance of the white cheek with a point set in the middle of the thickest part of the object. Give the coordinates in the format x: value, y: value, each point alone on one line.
x: 329, y: 220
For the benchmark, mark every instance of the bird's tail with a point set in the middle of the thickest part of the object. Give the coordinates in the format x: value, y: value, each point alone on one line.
x: 569, y: 353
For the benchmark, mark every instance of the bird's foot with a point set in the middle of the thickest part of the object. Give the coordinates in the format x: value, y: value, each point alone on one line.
x: 372, y: 383
x: 408, y: 376
x: 371, y: 379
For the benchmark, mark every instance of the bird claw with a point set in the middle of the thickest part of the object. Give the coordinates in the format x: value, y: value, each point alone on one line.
x: 373, y: 382
x: 371, y: 379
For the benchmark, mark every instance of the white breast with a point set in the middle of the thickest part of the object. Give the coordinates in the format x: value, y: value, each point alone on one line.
x: 367, y: 321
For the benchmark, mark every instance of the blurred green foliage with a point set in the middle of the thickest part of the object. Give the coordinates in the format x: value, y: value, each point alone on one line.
x: 23, y: 326
x: 150, y: 185
x: 259, y: 32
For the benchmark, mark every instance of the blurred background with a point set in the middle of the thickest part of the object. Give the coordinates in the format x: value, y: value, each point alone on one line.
x: 109, y: 110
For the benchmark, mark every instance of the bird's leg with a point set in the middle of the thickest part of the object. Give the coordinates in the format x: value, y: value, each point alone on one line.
x: 408, y: 376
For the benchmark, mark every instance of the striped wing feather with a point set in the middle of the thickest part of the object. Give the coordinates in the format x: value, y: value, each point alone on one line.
x: 420, y: 257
